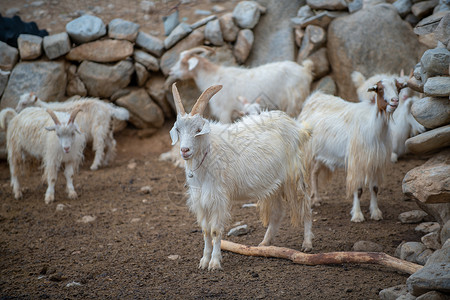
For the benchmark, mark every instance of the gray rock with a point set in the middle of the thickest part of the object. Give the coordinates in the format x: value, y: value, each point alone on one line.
x: 8, y: 56
x: 442, y: 32
x: 440, y: 212
x: 202, y: 12
x: 103, y: 80
x: 243, y: 45
x: 56, y: 45
x: 171, y: 22
x: 239, y: 230
x: 102, y: 51
x: 150, y: 43
x: 411, y: 217
x: 321, y: 19
x: 408, y: 296
x: 367, y: 246
x: 403, y: 7
x: 411, y: 250
x: 424, y: 8
x: 47, y: 79
x: 74, y: 84
x: 355, y: 5
x: 327, y: 4
x: 431, y: 240
x: 427, y: 227
x: 438, y: 86
x: 30, y: 46
x: 123, y: 30
x: 4, y: 75
x: 218, y: 8
x: 429, y: 24
x: 246, y: 14
x: 393, y: 293
x: 445, y: 232
x: 422, y: 258
x: 228, y: 27
x: 177, y: 34
x: 326, y: 85
x: 144, y: 113
x: 313, y: 39
x: 10, y: 12
x: 156, y: 89
x: 149, y: 61
x: 431, y: 112
x: 305, y: 12
x: 429, y: 141
x: 433, y: 295
x: 3, y: 151
x: 147, y: 6
x: 142, y: 74
x: 434, y: 62
x: 203, y: 21
x: 431, y: 277
x: 321, y: 64
x: 213, y: 33
x: 85, y: 29
x: 440, y: 256
x: 353, y: 47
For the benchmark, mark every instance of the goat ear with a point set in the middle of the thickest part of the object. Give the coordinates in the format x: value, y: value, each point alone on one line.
x: 51, y: 128
x: 400, y: 85
x: 373, y: 89
x: 174, y: 135
x: 205, y: 129
x: 192, y: 62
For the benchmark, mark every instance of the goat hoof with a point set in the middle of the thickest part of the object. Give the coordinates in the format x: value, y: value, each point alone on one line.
x: 316, y: 203
x: 377, y: 215
x: 358, y: 218
x: 203, y: 263
x: 214, y: 265
x: 94, y: 168
x: 73, y: 195
x: 263, y: 243
x: 306, y: 247
x: 18, y: 195
x: 49, y: 199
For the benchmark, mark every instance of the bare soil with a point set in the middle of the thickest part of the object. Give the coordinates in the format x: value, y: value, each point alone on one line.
x: 124, y: 253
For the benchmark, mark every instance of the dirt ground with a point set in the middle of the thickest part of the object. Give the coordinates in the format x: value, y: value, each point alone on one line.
x: 124, y: 253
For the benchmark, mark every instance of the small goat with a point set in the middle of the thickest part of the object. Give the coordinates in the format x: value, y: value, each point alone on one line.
x: 51, y: 137
x: 260, y: 157
x: 95, y: 121
x: 355, y: 136
x: 403, y: 125
x: 281, y: 85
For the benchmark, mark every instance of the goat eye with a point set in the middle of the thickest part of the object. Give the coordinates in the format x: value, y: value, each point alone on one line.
x: 199, y: 130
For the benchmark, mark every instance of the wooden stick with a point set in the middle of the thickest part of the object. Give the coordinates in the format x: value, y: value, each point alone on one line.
x: 330, y: 258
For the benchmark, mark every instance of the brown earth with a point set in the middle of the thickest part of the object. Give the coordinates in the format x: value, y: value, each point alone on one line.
x: 124, y: 252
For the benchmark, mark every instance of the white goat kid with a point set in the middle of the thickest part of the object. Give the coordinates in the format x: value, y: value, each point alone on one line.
x: 355, y: 136
x: 261, y: 157
x: 95, y: 121
x: 281, y: 85
x: 51, y: 137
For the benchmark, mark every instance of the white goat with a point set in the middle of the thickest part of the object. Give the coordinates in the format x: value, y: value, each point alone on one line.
x: 403, y: 125
x: 260, y: 157
x: 31, y: 133
x: 355, y: 136
x: 95, y: 121
x: 281, y: 85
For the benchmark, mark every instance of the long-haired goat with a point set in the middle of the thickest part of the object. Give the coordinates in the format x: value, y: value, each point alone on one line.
x: 95, y: 120
x: 52, y: 137
x: 259, y: 157
x: 355, y: 136
x: 281, y: 85
x: 403, y: 125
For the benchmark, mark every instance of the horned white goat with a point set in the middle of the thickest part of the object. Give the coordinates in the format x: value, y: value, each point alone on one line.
x: 260, y: 157
x: 52, y: 137
x: 355, y: 136
x: 403, y: 124
x: 281, y: 85
x: 95, y: 120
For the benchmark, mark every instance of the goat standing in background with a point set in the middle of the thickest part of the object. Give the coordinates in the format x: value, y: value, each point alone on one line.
x: 260, y: 157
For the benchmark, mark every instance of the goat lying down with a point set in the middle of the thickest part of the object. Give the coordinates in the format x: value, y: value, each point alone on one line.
x: 95, y: 120
x: 355, y: 136
x: 260, y: 157
x: 403, y: 124
x: 52, y: 137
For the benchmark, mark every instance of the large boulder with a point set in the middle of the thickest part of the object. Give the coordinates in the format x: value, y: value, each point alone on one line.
x: 431, y: 112
x: 47, y: 79
x: 8, y: 56
x: 373, y: 40
x: 102, y: 51
x: 429, y: 141
x: 85, y: 29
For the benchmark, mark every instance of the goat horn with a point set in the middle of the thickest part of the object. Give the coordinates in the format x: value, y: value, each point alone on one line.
x: 177, y: 100
x: 201, y: 49
x: 54, y: 117
x: 202, y: 101
x: 73, y: 115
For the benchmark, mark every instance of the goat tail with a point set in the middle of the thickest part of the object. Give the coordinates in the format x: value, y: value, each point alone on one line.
x: 308, y: 65
x: 358, y: 79
x: 5, y: 117
x: 119, y: 113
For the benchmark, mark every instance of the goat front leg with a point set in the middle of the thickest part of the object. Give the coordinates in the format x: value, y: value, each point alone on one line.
x: 216, y: 256
x: 357, y: 215
x: 68, y: 172
x: 375, y: 212
x: 98, y: 145
x: 52, y: 174
x: 207, y: 250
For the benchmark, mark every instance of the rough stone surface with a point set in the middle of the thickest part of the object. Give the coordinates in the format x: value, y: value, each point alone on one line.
x: 246, y: 14
x: 326, y: 85
x: 239, y: 230
x: 213, y: 33
x: 3, y: 151
x: 431, y: 112
x: 427, y: 227
x: 327, y: 4
x: 422, y: 258
x: 228, y: 27
x: 177, y: 34
x: 439, y: 211
x: 149, y: 61
x: 171, y: 22
x: 313, y: 39
x: 102, y: 51
x: 322, y: 19
x: 104, y: 80
x: 203, y: 21
x: 438, y: 86
x: 150, y: 43
x: 442, y: 32
x: 429, y: 24
x: 429, y: 141
x: 47, y: 79
x: 431, y: 277
x: 445, y: 232
x: 434, y: 62
x: 367, y: 246
x: 85, y: 29
x: 401, y: 48
x: 155, y: 87
x: 410, y: 250
x: 8, y: 56
x: 423, y: 8
x: 393, y: 293
x: 431, y: 240
x: 123, y: 30
x: 411, y: 217
x: 56, y: 45
x: 243, y: 45
x: 321, y: 64
x: 403, y: 7
x: 144, y: 113
x: 4, y: 75
x: 141, y: 74
x: 433, y: 295
x: 30, y: 46
x: 74, y: 84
